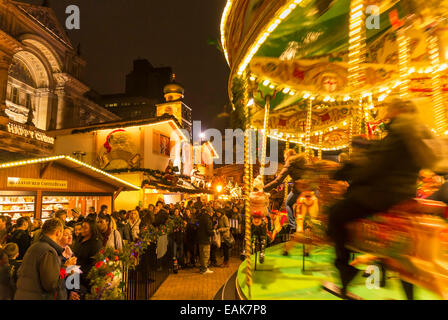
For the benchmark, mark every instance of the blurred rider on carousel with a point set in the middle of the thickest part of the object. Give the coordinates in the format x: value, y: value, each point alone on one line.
x: 295, y: 166
x: 381, y: 177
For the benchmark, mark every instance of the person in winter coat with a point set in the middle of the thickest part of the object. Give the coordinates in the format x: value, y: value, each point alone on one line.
x: 386, y: 177
x: 39, y: 274
x: 224, y: 230
x: 111, y: 237
x: 295, y: 167
x: 205, y: 232
x: 6, y: 278
x: 134, y: 223
x: 190, y: 239
x: 3, y: 230
x: 85, y: 250
x: 21, y: 236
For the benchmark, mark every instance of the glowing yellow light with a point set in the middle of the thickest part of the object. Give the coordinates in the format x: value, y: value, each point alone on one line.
x: 251, y: 102
x: 306, y: 95
x: 286, y: 90
x: 266, y: 82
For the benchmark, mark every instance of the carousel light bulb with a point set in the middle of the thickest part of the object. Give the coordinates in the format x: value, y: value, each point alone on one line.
x: 251, y: 102
x: 327, y: 98
x: 266, y: 82
x: 286, y: 90
x: 306, y: 95
x: 252, y: 78
x: 347, y: 98
x: 271, y: 86
x: 291, y: 93
x: 382, y: 97
x: 411, y: 70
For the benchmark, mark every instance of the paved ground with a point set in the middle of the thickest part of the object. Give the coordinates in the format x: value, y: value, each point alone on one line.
x: 189, y: 284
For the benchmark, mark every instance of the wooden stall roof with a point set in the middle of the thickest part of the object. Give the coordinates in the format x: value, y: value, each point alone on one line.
x: 78, y: 166
x: 116, y: 124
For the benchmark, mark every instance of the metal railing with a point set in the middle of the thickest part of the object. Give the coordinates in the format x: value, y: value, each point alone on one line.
x: 142, y: 282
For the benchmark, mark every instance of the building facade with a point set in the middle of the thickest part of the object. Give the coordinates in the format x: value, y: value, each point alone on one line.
x: 41, y: 85
x: 139, y: 152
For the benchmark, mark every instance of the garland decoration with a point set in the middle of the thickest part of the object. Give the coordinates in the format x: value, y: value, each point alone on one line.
x: 106, y: 276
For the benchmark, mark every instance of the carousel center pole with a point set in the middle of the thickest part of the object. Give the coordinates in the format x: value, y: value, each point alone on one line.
x: 357, y: 44
x: 308, y: 128
x: 247, y: 187
x: 265, y: 135
x: 287, y: 178
x: 437, y: 85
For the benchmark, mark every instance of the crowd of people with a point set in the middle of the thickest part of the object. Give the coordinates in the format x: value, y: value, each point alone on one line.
x: 74, y: 239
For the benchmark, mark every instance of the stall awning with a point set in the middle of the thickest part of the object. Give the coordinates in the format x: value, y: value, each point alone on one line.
x: 77, y: 166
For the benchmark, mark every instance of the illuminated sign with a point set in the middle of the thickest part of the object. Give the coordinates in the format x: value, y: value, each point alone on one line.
x: 36, y: 183
x: 32, y: 134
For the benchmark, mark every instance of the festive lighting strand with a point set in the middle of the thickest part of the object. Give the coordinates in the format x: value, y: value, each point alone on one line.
x: 438, y: 107
x: 225, y: 15
x: 281, y: 15
x: 356, y: 43
x: 286, y: 180
x: 247, y: 212
x: 320, y: 145
x: 350, y: 138
x: 403, y: 62
x: 265, y: 135
x: 308, y: 127
x: 49, y: 159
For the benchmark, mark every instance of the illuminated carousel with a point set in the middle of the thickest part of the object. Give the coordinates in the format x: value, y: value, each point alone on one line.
x: 315, y: 73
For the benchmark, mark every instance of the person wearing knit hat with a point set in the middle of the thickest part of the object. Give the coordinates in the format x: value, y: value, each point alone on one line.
x: 77, y: 218
x: 12, y: 250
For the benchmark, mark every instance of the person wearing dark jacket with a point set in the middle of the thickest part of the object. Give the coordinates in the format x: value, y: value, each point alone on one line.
x: 6, y: 278
x: 21, y: 237
x: 39, y: 274
x: 161, y: 216
x: 86, y: 249
x: 190, y: 239
x: 205, y: 232
x: 387, y: 176
x: 295, y: 165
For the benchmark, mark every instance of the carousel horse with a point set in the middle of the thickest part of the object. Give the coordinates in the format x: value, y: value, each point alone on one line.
x: 307, y: 209
x: 258, y: 235
x: 278, y: 220
x: 259, y: 202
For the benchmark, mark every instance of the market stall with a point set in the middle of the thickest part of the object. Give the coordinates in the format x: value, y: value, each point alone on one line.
x: 39, y: 187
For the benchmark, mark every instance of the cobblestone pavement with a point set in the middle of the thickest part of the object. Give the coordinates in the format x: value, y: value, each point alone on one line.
x: 189, y: 284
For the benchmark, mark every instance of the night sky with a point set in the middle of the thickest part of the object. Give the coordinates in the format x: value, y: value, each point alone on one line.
x: 166, y: 32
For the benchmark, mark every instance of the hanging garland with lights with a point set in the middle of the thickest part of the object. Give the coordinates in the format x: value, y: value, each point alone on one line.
x: 106, y: 278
